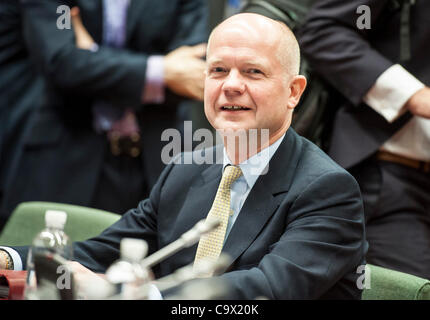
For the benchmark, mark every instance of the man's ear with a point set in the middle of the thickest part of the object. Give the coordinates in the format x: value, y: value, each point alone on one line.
x: 297, y: 86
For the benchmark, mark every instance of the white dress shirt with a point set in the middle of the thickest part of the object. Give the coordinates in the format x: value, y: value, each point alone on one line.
x: 252, y: 169
x: 388, y: 96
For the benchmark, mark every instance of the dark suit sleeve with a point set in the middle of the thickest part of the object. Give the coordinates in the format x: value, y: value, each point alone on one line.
x: 100, y: 252
x: 108, y: 73
x: 338, y: 50
x: 192, y: 24
x: 111, y: 74
x: 322, y: 243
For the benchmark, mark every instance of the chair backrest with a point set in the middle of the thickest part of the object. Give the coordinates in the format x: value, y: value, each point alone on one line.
x: 28, y: 219
x: 387, y: 284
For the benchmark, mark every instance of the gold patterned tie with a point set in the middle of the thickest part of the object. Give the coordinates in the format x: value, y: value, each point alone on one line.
x: 210, y: 245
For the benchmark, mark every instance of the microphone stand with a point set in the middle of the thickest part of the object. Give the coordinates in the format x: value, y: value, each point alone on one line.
x: 188, y: 239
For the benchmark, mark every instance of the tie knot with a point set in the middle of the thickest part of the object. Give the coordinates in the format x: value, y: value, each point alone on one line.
x: 230, y: 175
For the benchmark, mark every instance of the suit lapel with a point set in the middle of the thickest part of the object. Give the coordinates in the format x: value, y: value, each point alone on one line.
x: 199, y: 199
x: 134, y: 14
x: 258, y: 208
x: 92, y: 17
x: 202, y: 192
x: 265, y: 197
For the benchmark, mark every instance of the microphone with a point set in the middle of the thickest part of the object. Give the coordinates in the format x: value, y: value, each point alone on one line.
x: 189, y: 238
x: 186, y: 240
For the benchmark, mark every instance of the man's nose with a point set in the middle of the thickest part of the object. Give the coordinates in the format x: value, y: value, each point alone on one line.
x: 234, y: 83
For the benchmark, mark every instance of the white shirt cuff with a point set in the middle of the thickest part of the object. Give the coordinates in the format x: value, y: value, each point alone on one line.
x: 17, y: 262
x: 153, y: 91
x: 94, y: 47
x: 154, y: 293
x: 391, y: 91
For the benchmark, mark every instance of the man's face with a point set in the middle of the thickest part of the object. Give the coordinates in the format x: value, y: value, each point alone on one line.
x: 243, y: 70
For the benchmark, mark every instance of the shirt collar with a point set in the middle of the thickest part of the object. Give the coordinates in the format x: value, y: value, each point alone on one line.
x: 257, y: 165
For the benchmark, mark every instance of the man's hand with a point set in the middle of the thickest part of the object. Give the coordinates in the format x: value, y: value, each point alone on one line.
x: 184, y: 71
x: 80, y: 272
x: 83, y: 38
x: 90, y: 285
x: 419, y: 103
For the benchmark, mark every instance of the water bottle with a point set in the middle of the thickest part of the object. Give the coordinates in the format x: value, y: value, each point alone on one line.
x: 50, y: 241
x: 127, y: 274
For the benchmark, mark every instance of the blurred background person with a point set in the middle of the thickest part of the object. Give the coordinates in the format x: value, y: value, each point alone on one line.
x: 96, y: 140
x: 20, y: 88
x: 375, y: 53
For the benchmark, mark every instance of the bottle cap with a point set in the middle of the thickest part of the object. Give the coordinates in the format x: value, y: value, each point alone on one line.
x: 55, y: 219
x: 133, y: 249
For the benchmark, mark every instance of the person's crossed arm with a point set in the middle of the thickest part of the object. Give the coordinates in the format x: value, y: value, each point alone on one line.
x: 183, y: 67
x: 331, y: 41
x: 109, y: 73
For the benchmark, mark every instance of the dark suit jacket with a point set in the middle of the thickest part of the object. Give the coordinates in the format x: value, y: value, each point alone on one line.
x: 21, y: 88
x: 62, y: 153
x: 299, y: 235
x: 352, y: 60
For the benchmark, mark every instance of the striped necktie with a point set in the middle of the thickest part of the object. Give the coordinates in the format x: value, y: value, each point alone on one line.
x: 210, y: 245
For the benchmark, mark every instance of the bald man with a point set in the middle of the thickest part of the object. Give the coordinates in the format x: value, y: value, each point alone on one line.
x: 291, y: 219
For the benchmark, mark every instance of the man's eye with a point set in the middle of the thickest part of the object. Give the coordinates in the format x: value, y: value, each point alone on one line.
x: 218, y: 69
x: 255, y: 71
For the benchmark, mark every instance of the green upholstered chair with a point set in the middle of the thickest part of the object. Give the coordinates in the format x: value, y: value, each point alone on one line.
x: 386, y: 284
x: 28, y: 219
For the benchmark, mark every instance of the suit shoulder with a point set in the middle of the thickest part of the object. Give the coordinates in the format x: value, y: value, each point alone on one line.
x: 317, y: 176
x: 314, y: 162
x: 197, y: 160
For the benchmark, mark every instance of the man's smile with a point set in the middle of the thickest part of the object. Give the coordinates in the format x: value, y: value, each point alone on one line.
x: 234, y: 108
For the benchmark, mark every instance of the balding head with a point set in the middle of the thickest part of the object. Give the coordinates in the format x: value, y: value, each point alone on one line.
x: 252, y: 79
x: 269, y: 31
